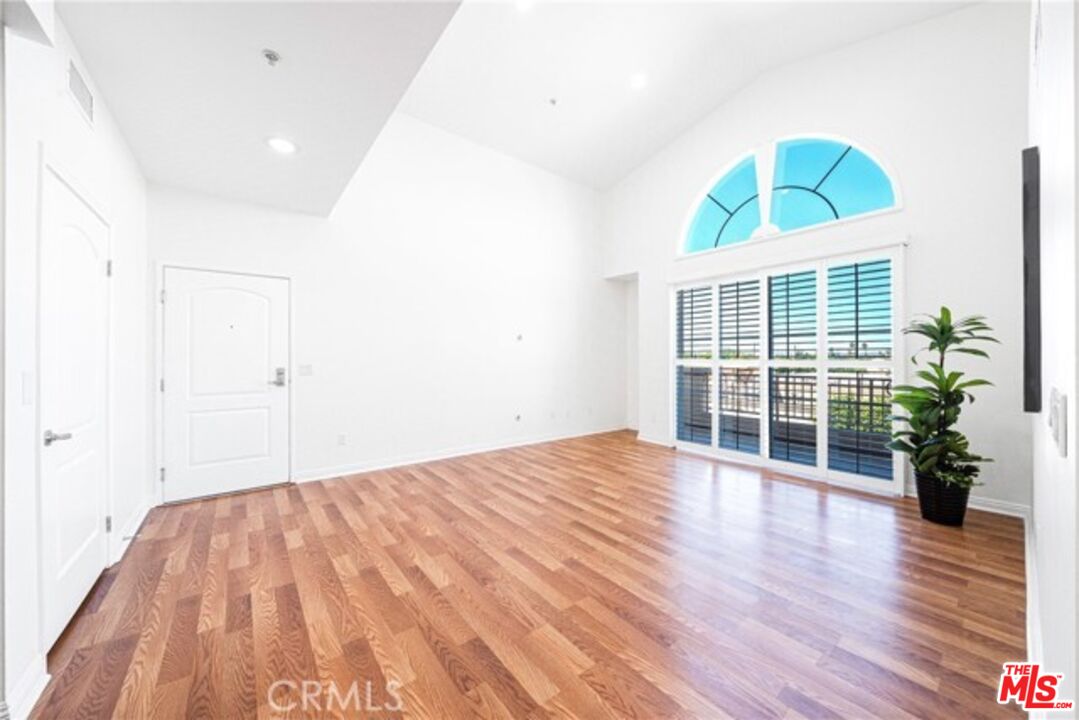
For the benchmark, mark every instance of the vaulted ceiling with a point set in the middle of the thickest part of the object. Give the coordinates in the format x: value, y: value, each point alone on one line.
x: 197, y: 101
x: 626, y: 78
x: 588, y: 90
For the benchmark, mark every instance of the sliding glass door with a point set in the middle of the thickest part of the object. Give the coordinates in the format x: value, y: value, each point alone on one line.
x: 793, y: 368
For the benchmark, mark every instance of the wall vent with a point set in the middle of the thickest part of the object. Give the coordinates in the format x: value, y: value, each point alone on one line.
x: 80, y: 91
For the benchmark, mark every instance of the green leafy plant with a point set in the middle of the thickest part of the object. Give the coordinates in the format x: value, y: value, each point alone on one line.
x: 935, y: 447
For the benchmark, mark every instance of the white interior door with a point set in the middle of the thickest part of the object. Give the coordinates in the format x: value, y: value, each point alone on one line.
x: 73, y: 376
x: 226, y: 397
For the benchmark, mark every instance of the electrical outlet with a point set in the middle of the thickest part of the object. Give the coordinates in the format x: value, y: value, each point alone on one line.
x: 342, y: 439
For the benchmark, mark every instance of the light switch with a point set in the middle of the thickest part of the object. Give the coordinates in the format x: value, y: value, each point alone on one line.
x: 305, y: 371
x: 1058, y: 420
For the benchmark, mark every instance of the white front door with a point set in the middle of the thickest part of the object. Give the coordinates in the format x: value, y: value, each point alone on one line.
x: 226, y: 397
x: 73, y: 372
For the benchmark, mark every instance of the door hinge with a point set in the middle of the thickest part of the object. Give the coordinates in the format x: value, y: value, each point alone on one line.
x: 108, y: 268
x: 162, y: 297
x: 162, y: 384
x: 108, y: 523
x: 162, y: 474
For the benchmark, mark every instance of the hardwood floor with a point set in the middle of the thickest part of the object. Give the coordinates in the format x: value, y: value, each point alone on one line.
x: 597, y: 577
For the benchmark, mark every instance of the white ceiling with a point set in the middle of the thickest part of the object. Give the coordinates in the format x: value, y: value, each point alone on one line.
x: 491, y: 75
x: 196, y: 100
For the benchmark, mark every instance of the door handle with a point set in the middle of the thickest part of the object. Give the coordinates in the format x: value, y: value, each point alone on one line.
x: 279, y: 377
x: 51, y: 437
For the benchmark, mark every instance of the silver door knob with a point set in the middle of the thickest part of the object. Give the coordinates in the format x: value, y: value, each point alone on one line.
x: 51, y: 437
x: 279, y: 377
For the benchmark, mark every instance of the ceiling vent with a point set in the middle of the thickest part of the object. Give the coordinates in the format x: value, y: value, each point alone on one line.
x: 80, y: 92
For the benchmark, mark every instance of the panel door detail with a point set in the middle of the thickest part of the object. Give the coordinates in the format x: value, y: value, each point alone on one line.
x: 226, y: 398
x: 73, y: 431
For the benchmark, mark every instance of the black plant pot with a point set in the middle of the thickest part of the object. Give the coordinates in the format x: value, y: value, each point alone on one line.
x: 941, y: 502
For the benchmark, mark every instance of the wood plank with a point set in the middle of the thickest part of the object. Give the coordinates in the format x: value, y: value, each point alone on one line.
x: 595, y: 577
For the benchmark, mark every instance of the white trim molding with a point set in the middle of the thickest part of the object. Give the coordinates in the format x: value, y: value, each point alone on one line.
x: 999, y: 507
x: 1035, y: 647
x: 127, y: 534
x: 24, y: 693
x: 328, y: 473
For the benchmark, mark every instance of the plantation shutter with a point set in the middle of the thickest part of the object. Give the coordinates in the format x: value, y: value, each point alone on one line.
x: 860, y: 310
x: 859, y: 428
x: 740, y: 320
x: 740, y: 409
x: 792, y: 300
x: 694, y: 412
x: 694, y: 331
x: 793, y: 415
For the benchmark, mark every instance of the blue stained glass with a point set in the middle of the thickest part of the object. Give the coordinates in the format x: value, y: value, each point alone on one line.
x: 738, y: 185
x: 731, y: 211
x: 805, y: 161
x: 858, y: 185
x: 793, y: 208
x: 817, y: 181
x: 706, y: 224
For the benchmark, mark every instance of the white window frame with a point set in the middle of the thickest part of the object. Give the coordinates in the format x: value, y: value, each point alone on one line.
x: 821, y: 365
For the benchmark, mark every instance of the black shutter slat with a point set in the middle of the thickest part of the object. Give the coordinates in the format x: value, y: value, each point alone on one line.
x: 740, y: 409
x: 694, y: 331
x: 859, y: 428
x: 694, y: 410
x: 740, y: 320
x: 860, y: 310
x: 793, y: 415
x: 792, y: 312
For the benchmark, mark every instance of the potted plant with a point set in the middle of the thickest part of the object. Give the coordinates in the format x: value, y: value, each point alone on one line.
x: 944, y: 466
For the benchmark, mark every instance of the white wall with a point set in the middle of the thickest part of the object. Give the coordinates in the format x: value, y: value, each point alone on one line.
x: 632, y: 352
x: 1052, y: 129
x: 408, y: 301
x: 942, y: 103
x: 94, y: 158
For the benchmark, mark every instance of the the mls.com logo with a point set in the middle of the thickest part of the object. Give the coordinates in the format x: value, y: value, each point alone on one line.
x: 1029, y: 688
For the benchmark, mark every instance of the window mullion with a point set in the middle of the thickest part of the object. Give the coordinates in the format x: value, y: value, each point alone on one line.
x: 763, y: 356
x: 714, y: 398
x: 822, y: 371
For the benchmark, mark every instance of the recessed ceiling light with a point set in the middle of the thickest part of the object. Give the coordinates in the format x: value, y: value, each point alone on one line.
x: 638, y: 81
x: 281, y: 145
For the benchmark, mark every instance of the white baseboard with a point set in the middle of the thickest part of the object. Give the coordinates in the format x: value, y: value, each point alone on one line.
x: 1034, y: 616
x: 1034, y: 622
x: 326, y: 473
x: 988, y: 504
x: 1000, y: 507
x: 27, y: 689
x: 661, y: 441
x: 126, y: 534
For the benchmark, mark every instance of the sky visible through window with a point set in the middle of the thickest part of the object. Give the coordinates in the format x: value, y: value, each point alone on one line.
x: 815, y: 181
x: 731, y: 211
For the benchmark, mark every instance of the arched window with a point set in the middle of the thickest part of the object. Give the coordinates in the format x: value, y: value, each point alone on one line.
x: 730, y: 212
x: 814, y: 181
